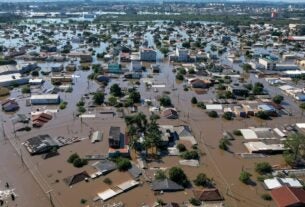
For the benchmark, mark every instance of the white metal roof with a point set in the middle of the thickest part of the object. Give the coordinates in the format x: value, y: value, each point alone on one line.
x: 44, y: 96
x: 248, y: 134
x: 214, y: 107
x: 272, y: 183
x: 107, y: 194
x: 300, y: 125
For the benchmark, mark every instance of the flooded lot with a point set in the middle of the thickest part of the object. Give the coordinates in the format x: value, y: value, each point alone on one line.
x: 44, y: 177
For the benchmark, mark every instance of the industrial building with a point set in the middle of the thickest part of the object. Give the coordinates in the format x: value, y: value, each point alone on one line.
x: 13, y: 79
x: 45, y: 99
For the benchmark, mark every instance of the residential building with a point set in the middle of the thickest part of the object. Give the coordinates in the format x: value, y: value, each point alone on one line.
x: 115, y: 137
x: 114, y: 68
x: 45, y: 99
x: 182, y: 54
x: 288, y: 196
x: 268, y: 63
x: 148, y: 54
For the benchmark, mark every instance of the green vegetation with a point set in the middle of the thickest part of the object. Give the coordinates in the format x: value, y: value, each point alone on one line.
x: 278, y: 99
x: 227, y: 115
x: 63, y: 105
x: 181, y: 147
x: 98, y: 98
x: 201, y: 105
x: 26, y: 89
x: 194, y: 100
x: 83, y: 201
x: 177, y: 175
x: 247, y: 67
x: 190, y: 155
x: 195, y: 202
x: 263, y: 168
x: 107, y: 181
x: 266, y: 197
x: 160, y: 175
x: 244, y: 177
x: 237, y: 132
x: 203, y: 181
x: 4, y: 91
x: 77, y: 161
x: 123, y: 164
x: 302, y: 107
x: 165, y: 101
x: 224, y: 144
x: 116, y: 90
x: 295, y: 145
x: 213, y: 114
x: 262, y: 115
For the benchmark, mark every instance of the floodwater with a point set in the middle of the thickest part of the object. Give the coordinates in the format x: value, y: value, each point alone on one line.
x: 223, y: 167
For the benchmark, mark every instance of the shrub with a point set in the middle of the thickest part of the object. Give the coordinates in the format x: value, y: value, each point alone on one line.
x: 180, y: 77
x: 194, y: 100
x: 4, y: 91
x: 165, y: 101
x: 26, y: 89
x: 266, y: 197
x: 213, y: 114
x: 244, y: 177
x: 263, y: 168
x: 237, y: 132
x: 83, y: 201
x: 202, y: 180
x: 160, y: 175
x: 81, y: 109
x: 72, y: 157
x: 107, y: 181
x: 35, y: 73
x: 223, y: 144
x: 195, y: 202
x: 123, y: 164
x: 228, y: 115
x: 262, y: 115
x: 78, y: 162
x: 177, y: 175
x: 98, y: 98
x: 201, y: 105
x: 181, y: 147
x: 278, y: 99
x: 63, y: 105
x: 190, y: 155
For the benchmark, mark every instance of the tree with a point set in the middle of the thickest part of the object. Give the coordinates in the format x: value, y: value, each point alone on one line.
x: 112, y: 101
x: 98, y: 98
x: 72, y: 157
x: 164, y: 50
x: 244, y: 177
x: 108, y: 181
x: 160, y: 175
x: 26, y: 89
x: 123, y: 164
x: 213, y: 114
x: 115, y: 90
x: 258, y: 88
x: 181, y: 147
x: 295, y: 145
x: 190, y: 155
x: 266, y: 197
x: 35, y: 73
x: 203, y: 180
x: 135, y: 96
x: 194, y: 100
x: 227, y: 115
x: 165, y: 101
x: 195, y: 202
x: 78, y: 162
x: 179, y: 76
x: 201, y: 105
x: 262, y: 115
x: 263, y: 168
x: 247, y: 67
x: 278, y: 99
x: 224, y: 144
x: 177, y: 175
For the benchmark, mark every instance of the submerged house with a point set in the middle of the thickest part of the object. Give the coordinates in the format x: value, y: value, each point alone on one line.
x: 115, y: 137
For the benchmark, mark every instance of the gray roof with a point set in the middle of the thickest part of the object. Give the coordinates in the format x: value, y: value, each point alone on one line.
x: 40, y: 144
x: 183, y: 131
x: 135, y: 172
x: 115, y: 133
x: 166, y: 185
x: 105, y: 166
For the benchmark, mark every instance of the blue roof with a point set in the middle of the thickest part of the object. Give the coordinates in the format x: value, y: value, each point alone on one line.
x: 266, y: 107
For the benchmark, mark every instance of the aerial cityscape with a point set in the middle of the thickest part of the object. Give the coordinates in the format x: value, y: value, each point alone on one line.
x: 152, y: 103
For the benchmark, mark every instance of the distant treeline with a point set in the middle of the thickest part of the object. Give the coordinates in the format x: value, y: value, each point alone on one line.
x: 232, y: 20
x: 9, y: 18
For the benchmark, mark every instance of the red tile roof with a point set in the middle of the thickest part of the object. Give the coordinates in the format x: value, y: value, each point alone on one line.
x: 287, y: 196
